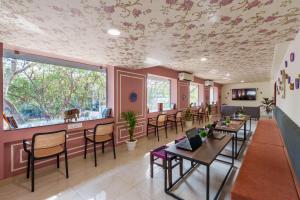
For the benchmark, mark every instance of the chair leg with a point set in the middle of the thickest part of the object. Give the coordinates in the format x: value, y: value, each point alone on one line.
x: 147, y: 129
x: 166, y: 130
x: 151, y: 165
x: 156, y: 128
x: 57, y: 161
x: 102, y: 147
x: 32, y: 174
x: 85, y: 148
x: 95, y: 157
x: 28, y: 165
x: 66, y: 164
x: 165, y: 172
x: 113, y: 144
x: 181, y: 166
x: 181, y: 125
x: 176, y: 127
x: 170, y: 172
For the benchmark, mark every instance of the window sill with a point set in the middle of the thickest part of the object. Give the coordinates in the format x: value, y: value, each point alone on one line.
x: 56, y: 123
x: 156, y: 111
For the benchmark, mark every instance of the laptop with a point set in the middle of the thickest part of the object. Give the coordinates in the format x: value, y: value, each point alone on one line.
x: 191, y: 142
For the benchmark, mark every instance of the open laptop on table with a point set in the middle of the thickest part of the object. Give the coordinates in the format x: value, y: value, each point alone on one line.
x: 191, y: 142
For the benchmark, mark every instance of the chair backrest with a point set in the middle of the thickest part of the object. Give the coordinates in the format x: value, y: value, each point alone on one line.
x: 48, y: 140
x: 201, y: 109
x: 161, y: 118
x: 178, y: 114
x: 104, y: 129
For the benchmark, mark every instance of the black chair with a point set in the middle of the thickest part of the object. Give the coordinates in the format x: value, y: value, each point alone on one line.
x: 45, y: 145
x: 102, y: 133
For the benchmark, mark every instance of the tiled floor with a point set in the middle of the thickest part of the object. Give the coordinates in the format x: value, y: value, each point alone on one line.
x: 127, y: 177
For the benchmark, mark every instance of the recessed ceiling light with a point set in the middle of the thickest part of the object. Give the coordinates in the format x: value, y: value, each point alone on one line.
x: 242, y: 81
x: 227, y: 74
x: 114, y: 32
x: 203, y: 59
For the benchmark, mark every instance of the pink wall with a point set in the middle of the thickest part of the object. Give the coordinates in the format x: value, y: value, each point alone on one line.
x: 121, y: 82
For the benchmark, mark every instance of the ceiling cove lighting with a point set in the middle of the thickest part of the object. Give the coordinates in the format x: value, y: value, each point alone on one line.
x: 242, y: 81
x: 114, y: 32
x: 203, y: 59
x: 152, y: 61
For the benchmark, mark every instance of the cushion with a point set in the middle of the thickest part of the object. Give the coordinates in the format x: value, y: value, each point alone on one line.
x: 267, y: 132
x: 100, y: 138
x: 265, y: 174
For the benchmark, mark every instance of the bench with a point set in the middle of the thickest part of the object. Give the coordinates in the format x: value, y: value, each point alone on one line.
x: 265, y: 172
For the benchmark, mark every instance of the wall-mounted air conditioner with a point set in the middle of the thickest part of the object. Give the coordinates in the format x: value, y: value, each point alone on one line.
x: 209, y: 83
x: 185, y: 76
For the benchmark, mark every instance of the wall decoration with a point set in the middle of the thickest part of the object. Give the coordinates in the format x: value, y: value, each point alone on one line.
x: 286, y: 63
x: 292, y: 86
x: 297, y: 83
x: 292, y: 57
x: 133, y: 97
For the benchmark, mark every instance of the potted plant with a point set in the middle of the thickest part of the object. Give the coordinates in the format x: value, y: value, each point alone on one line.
x: 209, y: 112
x: 227, y: 122
x: 268, y: 105
x: 203, y: 134
x: 188, y: 117
x: 130, y: 118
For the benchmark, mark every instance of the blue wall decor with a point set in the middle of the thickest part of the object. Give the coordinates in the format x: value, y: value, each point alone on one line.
x: 297, y: 83
x: 292, y: 57
x: 133, y: 97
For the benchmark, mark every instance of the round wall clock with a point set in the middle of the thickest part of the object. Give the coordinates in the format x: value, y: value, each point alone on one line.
x: 133, y: 97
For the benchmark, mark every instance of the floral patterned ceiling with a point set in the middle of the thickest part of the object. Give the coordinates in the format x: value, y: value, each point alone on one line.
x: 236, y: 36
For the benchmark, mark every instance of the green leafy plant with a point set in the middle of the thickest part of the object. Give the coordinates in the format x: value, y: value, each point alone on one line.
x: 208, y: 126
x: 267, y: 104
x: 130, y: 117
x: 227, y: 121
x: 188, y: 114
x: 209, y: 109
x: 203, y: 133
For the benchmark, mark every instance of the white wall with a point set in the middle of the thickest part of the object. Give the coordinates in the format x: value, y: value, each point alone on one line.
x: 291, y: 103
x: 264, y: 89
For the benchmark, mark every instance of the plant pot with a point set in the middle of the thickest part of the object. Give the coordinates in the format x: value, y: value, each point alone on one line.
x: 203, y: 139
x: 189, y: 124
x: 131, y: 145
x: 210, y: 118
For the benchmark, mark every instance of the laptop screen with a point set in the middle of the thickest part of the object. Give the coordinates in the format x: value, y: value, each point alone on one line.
x: 194, y: 138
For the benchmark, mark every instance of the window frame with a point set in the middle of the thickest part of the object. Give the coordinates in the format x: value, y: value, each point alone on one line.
x: 198, y: 95
x: 170, y: 90
x: 10, y: 54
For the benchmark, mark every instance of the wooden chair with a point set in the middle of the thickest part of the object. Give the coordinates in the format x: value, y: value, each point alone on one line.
x: 45, y: 145
x: 196, y: 114
x: 161, y: 121
x: 201, y: 114
x: 177, y: 118
x: 102, y: 133
x: 206, y: 114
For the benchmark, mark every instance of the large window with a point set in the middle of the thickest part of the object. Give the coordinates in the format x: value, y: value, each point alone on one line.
x: 158, y: 91
x: 194, y: 94
x: 213, y: 93
x: 38, y: 93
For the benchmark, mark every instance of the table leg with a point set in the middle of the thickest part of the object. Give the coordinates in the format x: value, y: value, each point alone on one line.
x: 235, y: 148
x: 232, y: 155
x: 245, y: 130
x: 207, y: 182
x: 170, y: 172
